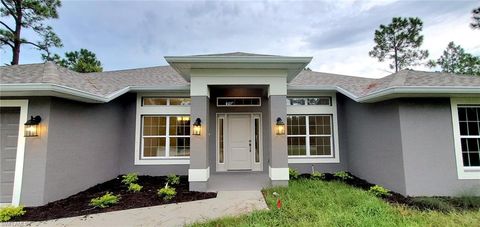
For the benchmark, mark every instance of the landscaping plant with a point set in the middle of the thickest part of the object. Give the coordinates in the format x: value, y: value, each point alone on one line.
x: 167, y: 192
x: 379, y: 191
x: 9, y: 212
x: 134, y: 187
x: 343, y: 175
x: 317, y: 175
x: 293, y: 173
x: 130, y: 178
x: 173, y: 179
x: 104, y: 201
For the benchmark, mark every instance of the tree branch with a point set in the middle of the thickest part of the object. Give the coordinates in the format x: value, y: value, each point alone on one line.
x: 34, y: 44
x: 6, y: 42
x: 10, y: 10
x: 6, y: 26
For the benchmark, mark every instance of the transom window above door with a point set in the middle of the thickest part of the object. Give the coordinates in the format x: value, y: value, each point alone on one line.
x: 238, y: 101
x: 309, y: 101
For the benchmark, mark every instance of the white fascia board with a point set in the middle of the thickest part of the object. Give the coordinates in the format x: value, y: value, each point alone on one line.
x: 76, y: 94
x: 419, y: 90
x: 54, y: 88
x: 293, y: 88
x: 378, y: 95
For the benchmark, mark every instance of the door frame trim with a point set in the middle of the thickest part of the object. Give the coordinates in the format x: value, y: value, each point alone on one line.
x: 19, y: 159
x: 222, y: 167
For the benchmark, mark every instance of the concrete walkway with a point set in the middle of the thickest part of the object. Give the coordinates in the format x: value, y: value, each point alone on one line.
x: 227, y: 203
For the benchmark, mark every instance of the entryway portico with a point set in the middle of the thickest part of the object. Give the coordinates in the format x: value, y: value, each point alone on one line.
x: 238, y: 100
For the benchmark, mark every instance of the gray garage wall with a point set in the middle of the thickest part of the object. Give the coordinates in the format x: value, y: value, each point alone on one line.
x: 33, y: 180
x: 374, y: 142
x: 428, y: 149
x: 343, y: 146
x: 126, y: 155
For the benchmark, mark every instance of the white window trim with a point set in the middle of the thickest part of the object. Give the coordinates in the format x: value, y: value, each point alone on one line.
x: 19, y: 161
x: 462, y: 171
x: 156, y: 110
x: 318, y: 110
x: 258, y: 98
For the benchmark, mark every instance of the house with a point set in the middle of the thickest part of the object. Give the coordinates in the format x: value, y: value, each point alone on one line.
x: 234, y: 115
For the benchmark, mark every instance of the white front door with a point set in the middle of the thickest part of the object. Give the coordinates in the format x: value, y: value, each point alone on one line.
x: 239, y: 145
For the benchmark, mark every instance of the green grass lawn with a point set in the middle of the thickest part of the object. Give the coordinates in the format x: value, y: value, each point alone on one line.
x: 320, y: 203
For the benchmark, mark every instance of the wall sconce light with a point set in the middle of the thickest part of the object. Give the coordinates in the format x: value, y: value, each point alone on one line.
x: 197, y: 127
x: 31, y: 126
x: 280, y: 127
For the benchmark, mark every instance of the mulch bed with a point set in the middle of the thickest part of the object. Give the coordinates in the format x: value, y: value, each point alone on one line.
x: 78, y: 205
x: 394, y: 198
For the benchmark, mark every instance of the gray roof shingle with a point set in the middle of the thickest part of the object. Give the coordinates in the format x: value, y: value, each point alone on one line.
x: 104, y: 84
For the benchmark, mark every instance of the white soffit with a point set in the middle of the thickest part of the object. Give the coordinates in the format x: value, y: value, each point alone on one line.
x: 184, y: 64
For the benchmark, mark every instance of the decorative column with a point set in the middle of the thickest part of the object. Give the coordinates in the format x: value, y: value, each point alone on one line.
x: 199, y: 170
x: 278, y: 165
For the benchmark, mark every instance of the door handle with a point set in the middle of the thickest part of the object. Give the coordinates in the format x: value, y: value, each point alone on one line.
x: 250, y: 145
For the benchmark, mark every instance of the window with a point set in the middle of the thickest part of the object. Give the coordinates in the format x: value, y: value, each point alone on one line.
x: 469, y: 123
x: 160, y: 101
x: 162, y: 130
x: 238, y: 101
x: 309, y: 101
x: 309, y: 135
x: 165, y: 136
x: 466, y: 134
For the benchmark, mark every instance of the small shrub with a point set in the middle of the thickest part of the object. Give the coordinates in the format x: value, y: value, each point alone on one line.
x: 134, y: 187
x: 167, y: 193
x: 379, y: 191
x: 9, y: 212
x: 317, y: 175
x: 173, y: 179
x: 104, y: 201
x: 293, y: 173
x: 130, y: 178
x: 343, y: 175
x: 433, y: 203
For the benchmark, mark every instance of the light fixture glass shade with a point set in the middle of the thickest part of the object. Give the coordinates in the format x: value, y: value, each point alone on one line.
x: 197, y: 127
x: 280, y: 127
x: 32, y: 126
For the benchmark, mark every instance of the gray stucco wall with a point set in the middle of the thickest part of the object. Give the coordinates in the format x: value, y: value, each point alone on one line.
x: 342, y: 140
x: 428, y: 149
x: 83, y: 143
x: 33, y: 180
x: 374, y: 142
x: 126, y: 152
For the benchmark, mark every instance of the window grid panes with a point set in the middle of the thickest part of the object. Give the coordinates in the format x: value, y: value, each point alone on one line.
x: 157, y: 141
x: 469, y: 122
x: 309, y: 135
x: 309, y: 101
x: 162, y: 101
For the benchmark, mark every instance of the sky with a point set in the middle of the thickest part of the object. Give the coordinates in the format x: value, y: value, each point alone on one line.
x: 338, y: 34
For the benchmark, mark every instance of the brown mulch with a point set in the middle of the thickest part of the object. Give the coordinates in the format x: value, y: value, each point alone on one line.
x: 78, y: 205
